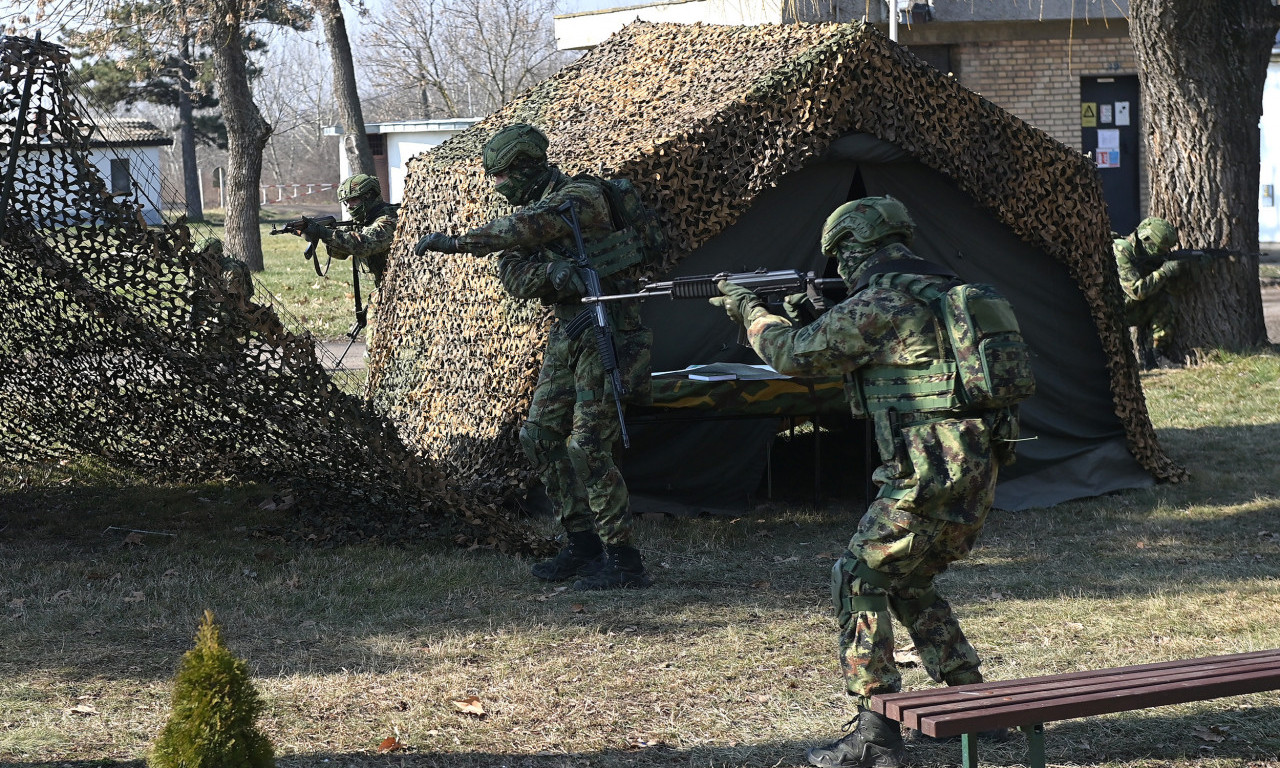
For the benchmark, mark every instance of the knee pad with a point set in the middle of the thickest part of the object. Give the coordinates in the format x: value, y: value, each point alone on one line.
x: 856, y: 588
x: 542, y: 446
x: 590, y: 461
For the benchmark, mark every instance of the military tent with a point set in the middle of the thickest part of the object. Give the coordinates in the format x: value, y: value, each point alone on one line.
x: 744, y: 139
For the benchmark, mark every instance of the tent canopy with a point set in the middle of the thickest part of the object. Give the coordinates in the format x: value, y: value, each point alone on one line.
x: 743, y: 139
x: 1076, y: 444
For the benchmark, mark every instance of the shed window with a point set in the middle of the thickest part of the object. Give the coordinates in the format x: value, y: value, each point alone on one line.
x: 121, y: 179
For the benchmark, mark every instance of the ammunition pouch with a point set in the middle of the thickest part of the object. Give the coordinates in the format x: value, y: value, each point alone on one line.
x: 615, y: 252
x: 908, y: 389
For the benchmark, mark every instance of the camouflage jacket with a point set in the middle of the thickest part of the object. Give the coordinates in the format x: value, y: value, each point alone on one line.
x: 884, y: 327
x: 532, y: 237
x: 370, y: 243
x: 1141, y: 277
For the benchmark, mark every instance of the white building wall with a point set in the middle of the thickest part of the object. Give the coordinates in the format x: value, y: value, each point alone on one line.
x: 144, y: 168
x: 576, y: 31
x: 1269, y: 170
x: 401, y: 147
x: 403, y: 141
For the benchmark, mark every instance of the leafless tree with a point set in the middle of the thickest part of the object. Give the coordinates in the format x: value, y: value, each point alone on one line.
x: 463, y: 57
x: 297, y: 101
x: 345, y: 90
x: 412, y: 40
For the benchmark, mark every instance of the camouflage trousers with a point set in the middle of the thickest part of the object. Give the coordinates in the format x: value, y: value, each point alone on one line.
x: 927, y: 517
x: 569, y: 437
x: 1154, y: 319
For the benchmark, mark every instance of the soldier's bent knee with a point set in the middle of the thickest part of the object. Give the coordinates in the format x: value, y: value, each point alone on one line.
x: 543, y: 446
x: 590, y: 461
x: 856, y: 588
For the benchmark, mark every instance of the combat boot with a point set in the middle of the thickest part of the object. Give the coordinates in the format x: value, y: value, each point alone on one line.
x: 622, y: 569
x: 875, y: 742
x: 583, y: 554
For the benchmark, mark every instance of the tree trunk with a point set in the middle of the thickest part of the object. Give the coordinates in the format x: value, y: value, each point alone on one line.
x: 247, y: 134
x: 187, y: 137
x: 1203, y: 64
x: 354, y: 140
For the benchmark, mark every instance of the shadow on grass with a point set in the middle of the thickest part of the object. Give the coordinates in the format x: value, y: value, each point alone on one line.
x: 314, y: 610
x: 1227, y: 734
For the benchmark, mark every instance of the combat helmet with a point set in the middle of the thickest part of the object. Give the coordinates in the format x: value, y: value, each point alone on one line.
x: 1156, y: 235
x: 355, y: 191
x: 518, y: 152
x: 869, y: 222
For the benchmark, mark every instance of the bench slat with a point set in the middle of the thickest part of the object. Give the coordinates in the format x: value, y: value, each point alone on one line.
x: 1097, y: 704
x: 980, y: 696
x: 1087, y: 673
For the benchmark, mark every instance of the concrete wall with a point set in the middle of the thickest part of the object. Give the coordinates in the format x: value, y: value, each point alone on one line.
x: 144, y: 168
x: 1269, y: 173
x: 576, y: 31
x: 402, y: 141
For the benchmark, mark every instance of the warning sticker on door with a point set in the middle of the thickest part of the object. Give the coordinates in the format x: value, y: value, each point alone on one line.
x: 1107, y: 158
x: 1089, y: 114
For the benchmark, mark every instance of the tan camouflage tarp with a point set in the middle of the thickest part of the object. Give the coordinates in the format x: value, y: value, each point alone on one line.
x: 703, y: 118
x: 118, y: 341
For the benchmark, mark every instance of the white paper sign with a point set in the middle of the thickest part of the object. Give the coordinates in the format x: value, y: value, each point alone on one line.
x: 1104, y: 113
x: 1107, y: 158
x: 1108, y: 138
x: 1122, y: 113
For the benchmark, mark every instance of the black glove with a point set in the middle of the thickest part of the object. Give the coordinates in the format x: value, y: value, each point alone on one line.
x: 314, y: 230
x: 436, y: 241
x: 738, y: 302
x: 564, y: 278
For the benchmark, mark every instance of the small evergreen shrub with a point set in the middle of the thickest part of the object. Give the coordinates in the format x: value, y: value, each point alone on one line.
x: 214, y: 708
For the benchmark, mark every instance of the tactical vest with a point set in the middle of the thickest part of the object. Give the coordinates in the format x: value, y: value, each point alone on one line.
x: 637, y: 237
x: 986, y: 364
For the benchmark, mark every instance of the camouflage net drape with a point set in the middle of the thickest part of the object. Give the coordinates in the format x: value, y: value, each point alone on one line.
x: 703, y: 118
x: 117, y: 341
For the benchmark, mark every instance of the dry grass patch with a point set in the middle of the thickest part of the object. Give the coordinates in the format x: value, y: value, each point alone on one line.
x: 461, y: 659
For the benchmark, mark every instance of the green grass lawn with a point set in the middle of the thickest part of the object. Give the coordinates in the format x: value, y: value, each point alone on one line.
x: 323, y: 305
x: 729, y: 660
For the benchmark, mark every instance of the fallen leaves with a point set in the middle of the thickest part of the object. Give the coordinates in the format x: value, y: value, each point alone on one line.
x: 391, y: 744
x: 1212, y: 733
x: 470, y: 705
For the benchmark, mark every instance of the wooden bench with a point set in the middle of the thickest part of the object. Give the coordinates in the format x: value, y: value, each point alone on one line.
x: 1028, y: 704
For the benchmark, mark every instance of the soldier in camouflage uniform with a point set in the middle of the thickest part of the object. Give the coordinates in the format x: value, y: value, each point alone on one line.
x: 1145, y: 277
x: 370, y: 240
x: 572, y: 423
x: 936, y: 480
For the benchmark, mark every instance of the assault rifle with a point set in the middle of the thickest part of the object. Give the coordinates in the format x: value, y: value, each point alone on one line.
x: 1202, y: 255
x: 298, y: 228
x: 770, y: 285
x: 773, y: 286
x: 599, y: 318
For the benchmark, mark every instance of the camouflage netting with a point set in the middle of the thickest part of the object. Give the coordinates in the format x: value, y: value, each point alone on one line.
x: 118, y: 341
x: 703, y: 118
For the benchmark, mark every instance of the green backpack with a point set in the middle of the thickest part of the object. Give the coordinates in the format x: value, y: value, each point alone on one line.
x: 992, y: 360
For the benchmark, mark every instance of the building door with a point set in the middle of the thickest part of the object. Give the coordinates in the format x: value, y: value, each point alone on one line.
x: 1109, y: 131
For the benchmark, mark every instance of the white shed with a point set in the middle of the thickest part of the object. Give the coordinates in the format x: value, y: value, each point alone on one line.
x: 126, y: 153
x: 393, y: 144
